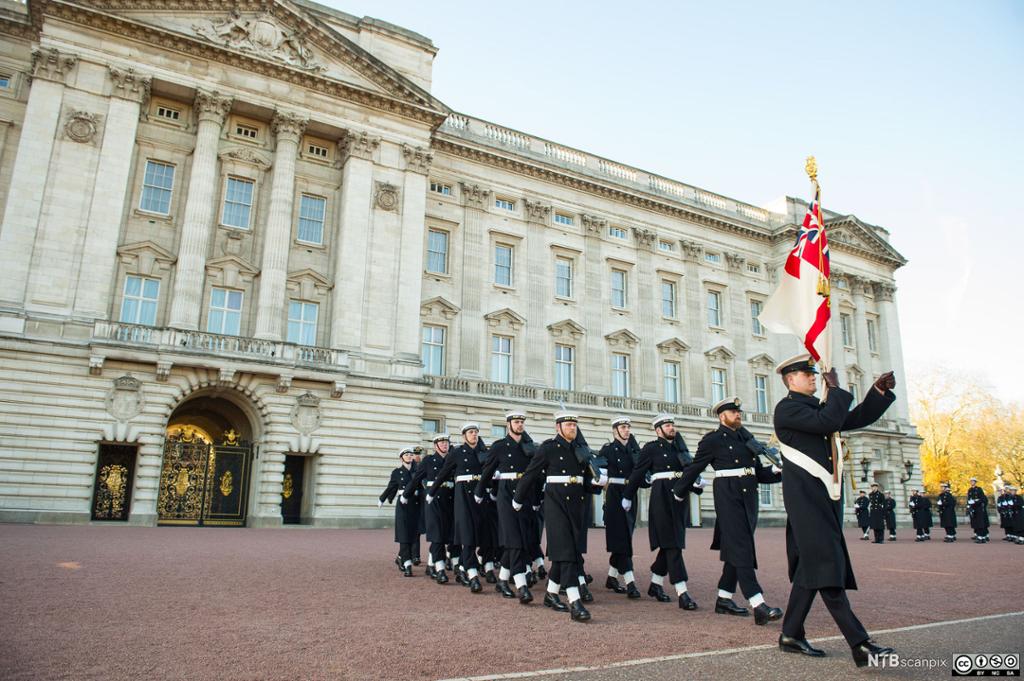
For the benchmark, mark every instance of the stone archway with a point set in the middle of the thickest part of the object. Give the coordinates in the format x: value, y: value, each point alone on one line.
x: 207, y: 460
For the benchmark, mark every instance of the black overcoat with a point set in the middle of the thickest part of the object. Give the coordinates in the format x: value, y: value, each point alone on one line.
x: 407, y: 515
x: 977, y: 508
x: 464, y: 460
x: 947, y: 509
x: 515, y: 530
x: 890, y: 513
x: 619, y: 523
x: 815, y: 546
x: 736, y: 498
x: 860, y: 509
x: 877, y: 510
x: 440, y: 512
x: 666, y: 517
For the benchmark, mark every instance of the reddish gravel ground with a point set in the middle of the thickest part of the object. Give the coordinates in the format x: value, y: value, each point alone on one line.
x: 186, y: 603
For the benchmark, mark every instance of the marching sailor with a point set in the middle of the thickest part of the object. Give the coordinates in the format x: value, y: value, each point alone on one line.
x: 621, y: 454
x: 947, y: 513
x: 977, y: 511
x: 876, y: 513
x: 407, y: 514
x: 439, y: 514
x: 860, y: 509
x: 890, y: 515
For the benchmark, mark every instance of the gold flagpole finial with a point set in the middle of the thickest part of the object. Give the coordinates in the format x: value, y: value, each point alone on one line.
x: 812, y: 169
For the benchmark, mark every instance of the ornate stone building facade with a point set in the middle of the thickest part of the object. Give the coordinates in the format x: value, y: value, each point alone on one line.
x: 245, y: 255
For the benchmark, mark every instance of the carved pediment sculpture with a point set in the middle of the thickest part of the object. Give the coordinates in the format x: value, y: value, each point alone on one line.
x: 263, y: 36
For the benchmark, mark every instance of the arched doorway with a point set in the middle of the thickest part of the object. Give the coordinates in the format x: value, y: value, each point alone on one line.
x: 207, y: 463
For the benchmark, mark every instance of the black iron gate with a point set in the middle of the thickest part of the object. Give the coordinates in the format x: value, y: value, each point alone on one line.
x: 203, y: 483
x: 112, y: 491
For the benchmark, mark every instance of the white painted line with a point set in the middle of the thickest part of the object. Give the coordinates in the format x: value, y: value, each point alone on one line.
x: 708, y: 653
x: 921, y: 572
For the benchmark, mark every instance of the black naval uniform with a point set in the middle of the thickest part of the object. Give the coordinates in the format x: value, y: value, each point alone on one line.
x: 667, y: 518
x: 506, y: 463
x: 815, y: 547
x: 439, y: 513
x: 1016, y: 506
x: 860, y: 509
x: 977, y: 510
x: 407, y: 515
x: 736, y: 502
x: 924, y: 516
x: 463, y: 466
x: 890, y: 517
x: 618, y: 522
x: 1002, y: 507
x: 947, y: 513
x: 876, y: 514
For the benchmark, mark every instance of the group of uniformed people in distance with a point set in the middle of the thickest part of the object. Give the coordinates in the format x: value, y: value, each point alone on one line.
x: 486, y: 508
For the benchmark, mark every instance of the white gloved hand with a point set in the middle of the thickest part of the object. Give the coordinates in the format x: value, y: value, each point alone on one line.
x: 494, y: 497
x: 537, y: 507
x: 380, y: 504
x: 677, y: 498
x: 477, y: 499
x: 626, y: 504
x: 602, y: 481
x: 403, y: 499
x: 429, y: 498
x: 699, y: 484
x: 776, y: 469
x: 516, y: 506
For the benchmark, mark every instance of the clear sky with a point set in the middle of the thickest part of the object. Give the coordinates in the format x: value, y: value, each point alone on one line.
x: 913, y: 109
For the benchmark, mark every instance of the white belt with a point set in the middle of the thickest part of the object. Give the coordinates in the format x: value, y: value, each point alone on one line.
x: 430, y: 483
x: 734, y: 472
x: 466, y: 478
x: 798, y: 458
x: 509, y: 476
x: 667, y: 475
x: 565, y: 479
x: 616, y: 481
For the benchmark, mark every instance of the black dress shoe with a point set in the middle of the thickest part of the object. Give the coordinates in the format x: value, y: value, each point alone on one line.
x: 869, y: 647
x: 578, y: 613
x: 459, y: 577
x: 892, y: 537
x: 655, y: 591
x: 632, y: 591
x: 612, y: 584
x: 542, y: 573
x: 474, y: 585
x: 524, y: 595
x: 398, y: 562
x: 589, y: 579
x: 865, y: 538
x: 441, y: 577
x: 878, y: 542
x: 787, y: 644
x: 531, y: 578
x: 585, y: 594
x: 430, y: 571
x: 491, y: 579
x: 503, y: 588
x: 763, y: 614
x: 407, y: 571
x: 687, y: 603
x: 552, y: 601
x: 727, y: 606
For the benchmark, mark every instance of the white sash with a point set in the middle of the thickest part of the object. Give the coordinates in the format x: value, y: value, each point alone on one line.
x: 795, y: 456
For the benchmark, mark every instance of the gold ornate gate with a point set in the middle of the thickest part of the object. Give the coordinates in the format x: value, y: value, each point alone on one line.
x: 202, y: 483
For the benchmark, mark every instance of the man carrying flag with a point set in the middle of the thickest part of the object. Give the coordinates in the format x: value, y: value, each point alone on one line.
x: 808, y: 430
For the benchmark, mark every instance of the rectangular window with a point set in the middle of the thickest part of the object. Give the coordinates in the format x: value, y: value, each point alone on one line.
x: 713, y: 257
x: 854, y: 390
x: 755, y: 311
x: 503, y: 265
x: 761, y: 393
x: 620, y: 374
x: 432, y: 350
x: 157, y: 185
x: 312, y: 213
x: 505, y: 204
x: 431, y: 426
x: 765, y: 496
x: 753, y: 269
x: 872, y: 337
x: 563, y: 219
x: 670, y: 373
x: 5, y: 81
x: 846, y: 324
x: 317, y: 151
x: 498, y: 432
x: 237, y: 203
x: 437, y: 251
x: 717, y: 385
x: 247, y: 131
x: 616, y: 233
x: 666, y: 246
x: 138, y: 306
x: 565, y: 378
x: 439, y: 188
x: 302, y: 322
x: 668, y: 299
x: 501, y: 359
x: 563, y: 277
x: 714, y: 309
x: 168, y: 113
x: 225, y: 312
x: 618, y: 288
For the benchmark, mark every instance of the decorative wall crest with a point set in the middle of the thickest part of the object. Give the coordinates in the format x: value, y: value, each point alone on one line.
x: 306, y: 413
x: 82, y: 126
x: 129, y: 85
x: 417, y: 159
x: 124, y: 399
x: 263, y: 36
x: 243, y: 155
x: 386, y: 196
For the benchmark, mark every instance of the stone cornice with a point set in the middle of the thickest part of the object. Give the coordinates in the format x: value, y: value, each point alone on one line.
x: 357, y: 145
x: 95, y: 14
x: 49, y: 63
x: 462, y: 149
x: 129, y: 85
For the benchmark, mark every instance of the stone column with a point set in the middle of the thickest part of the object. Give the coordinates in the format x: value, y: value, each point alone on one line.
x: 474, y: 264
x: 31, y: 171
x: 197, y: 223
x: 740, y: 324
x: 99, y: 252
x: 693, y: 308
x: 594, y: 355
x: 269, y: 481
x: 892, y: 346
x: 860, y: 323
x: 288, y: 129
x: 355, y: 158
x: 539, y: 370
x: 410, y: 257
x: 648, y: 302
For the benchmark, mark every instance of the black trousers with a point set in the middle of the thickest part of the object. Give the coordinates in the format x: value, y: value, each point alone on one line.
x: 879, y: 535
x: 437, y: 552
x: 467, y: 558
x: 621, y: 562
x: 950, y: 531
x: 514, y: 560
x: 404, y: 553
x: 489, y: 554
x: 565, y: 574
x: 670, y: 562
x: 800, y: 600
x: 416, y: 548
x: 745, y: 575
x: 982, y: 532
x: 454, y: 551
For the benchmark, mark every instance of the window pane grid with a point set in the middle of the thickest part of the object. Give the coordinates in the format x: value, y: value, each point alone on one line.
x: 237, y: 203
x: 714, y: 309
x: 503, y: 265
x: 618, y: 288
x: 437, y: 251
x: 668, y: 299
x: 432, y: 349
x: 138, y: 305
x: 717, y: 385
x: 761, y: 393
x: 225, y: 312
x: 312, y: 213
x: 302, y: 322
x: 564, y: 373
x: 671, y: 374
x: 620, y: 375
x: 157, y: 184
x: 755, y: 312
x: 501, y: 359
x: 563, y: 278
